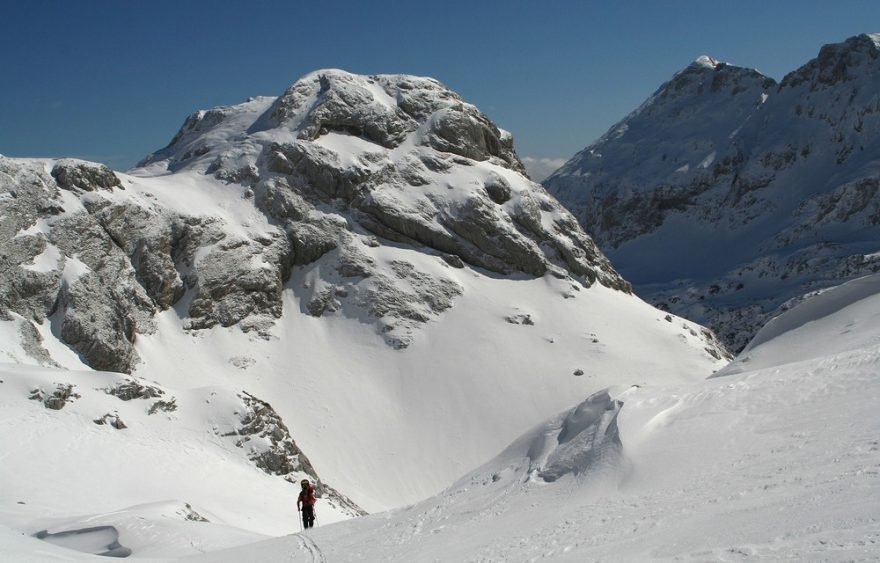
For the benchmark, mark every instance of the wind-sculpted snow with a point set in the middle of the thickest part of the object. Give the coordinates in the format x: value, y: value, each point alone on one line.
x: 588, y: 438
x: 727, y: 194
x: 100, y: 540
x: 582, y: 443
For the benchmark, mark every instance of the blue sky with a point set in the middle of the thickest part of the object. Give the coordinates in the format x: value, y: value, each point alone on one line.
x: 113, y: 80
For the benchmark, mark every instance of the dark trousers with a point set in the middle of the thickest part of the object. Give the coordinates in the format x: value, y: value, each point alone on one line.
x: 308, y: 514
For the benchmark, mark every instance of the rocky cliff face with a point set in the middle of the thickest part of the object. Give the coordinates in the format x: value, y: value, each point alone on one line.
x: 727, y: 193
x: 337, y: 165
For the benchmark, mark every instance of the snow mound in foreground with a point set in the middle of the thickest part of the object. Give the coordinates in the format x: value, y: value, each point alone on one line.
x: 582, y: 442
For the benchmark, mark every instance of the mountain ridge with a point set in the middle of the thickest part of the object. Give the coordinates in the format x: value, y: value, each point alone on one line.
x: 725, y: 180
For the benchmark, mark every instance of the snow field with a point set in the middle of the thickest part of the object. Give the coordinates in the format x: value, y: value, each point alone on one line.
x: 780, y: 463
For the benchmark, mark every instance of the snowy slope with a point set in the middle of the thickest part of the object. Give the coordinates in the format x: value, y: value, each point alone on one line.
x: 364, y: 254
x: 727, y: 193
x: 776, y: 459
x: 419, y: 417
x: 89, y: 447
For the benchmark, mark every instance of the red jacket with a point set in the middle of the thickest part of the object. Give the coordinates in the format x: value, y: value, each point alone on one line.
x: 307, y: 497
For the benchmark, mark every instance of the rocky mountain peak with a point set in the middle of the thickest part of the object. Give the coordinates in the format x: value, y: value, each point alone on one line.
x: 382, y: 109
x: 371, y: 189
x: 706, y: 61
x: 723, y: 181
x: 691, y: 123
x: 838, y: 62
x: 708, y: 76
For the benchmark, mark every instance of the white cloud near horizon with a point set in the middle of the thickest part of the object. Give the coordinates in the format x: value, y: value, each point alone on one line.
x: 540, y: 168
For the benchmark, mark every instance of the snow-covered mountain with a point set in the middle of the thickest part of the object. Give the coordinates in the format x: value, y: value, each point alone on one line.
x: 726, y: 194
x: 353, y: 282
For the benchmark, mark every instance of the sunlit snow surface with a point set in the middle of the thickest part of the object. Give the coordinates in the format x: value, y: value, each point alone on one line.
x: 780, y: 463
x: 776, y: 463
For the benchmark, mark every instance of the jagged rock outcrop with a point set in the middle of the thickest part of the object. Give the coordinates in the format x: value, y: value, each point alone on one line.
x: 82, y: 176
x: 130, y: 389
x: 270, y: 446
x: 58, y: 261
x: 57, y: 399
x: 726, y: 194
x: 112, y: 420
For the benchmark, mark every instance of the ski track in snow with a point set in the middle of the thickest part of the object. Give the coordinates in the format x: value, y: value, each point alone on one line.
x: 309, y: 545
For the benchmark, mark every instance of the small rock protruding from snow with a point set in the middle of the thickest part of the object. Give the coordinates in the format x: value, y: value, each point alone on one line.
x: 62, y: 395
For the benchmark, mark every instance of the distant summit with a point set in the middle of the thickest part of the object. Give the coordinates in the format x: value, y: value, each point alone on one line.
x: 726, y: 194
x: 706, y: 61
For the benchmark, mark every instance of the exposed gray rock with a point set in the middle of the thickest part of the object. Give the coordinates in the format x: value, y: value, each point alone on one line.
x: 29, y: 292
x: 31, y: 341
x: 401, y: 308
x: 282, y: 456
x: 101, y: 322
x: 68, y: 265
x: 148, y: 239
x: 130, y: 389
x: 355, y: 265
x: 85, y: 176
x: 191, y: 515
x: 498, y: 189
x: 463, y: 130
x: 238, y: 279
x: 316, y: 167
x: 27, y: 196
x: 305, y: 174
x: 520, y: 319
x: 278, y: 199
x: 344, y: 103
x: 318, y: 164
x: 321, y: 302
x: 246, y: 175
x: 164, y: 406
x: 273, y: 450
x: 452, y: 260
x: 62, y: 395
x: 112, y: 420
